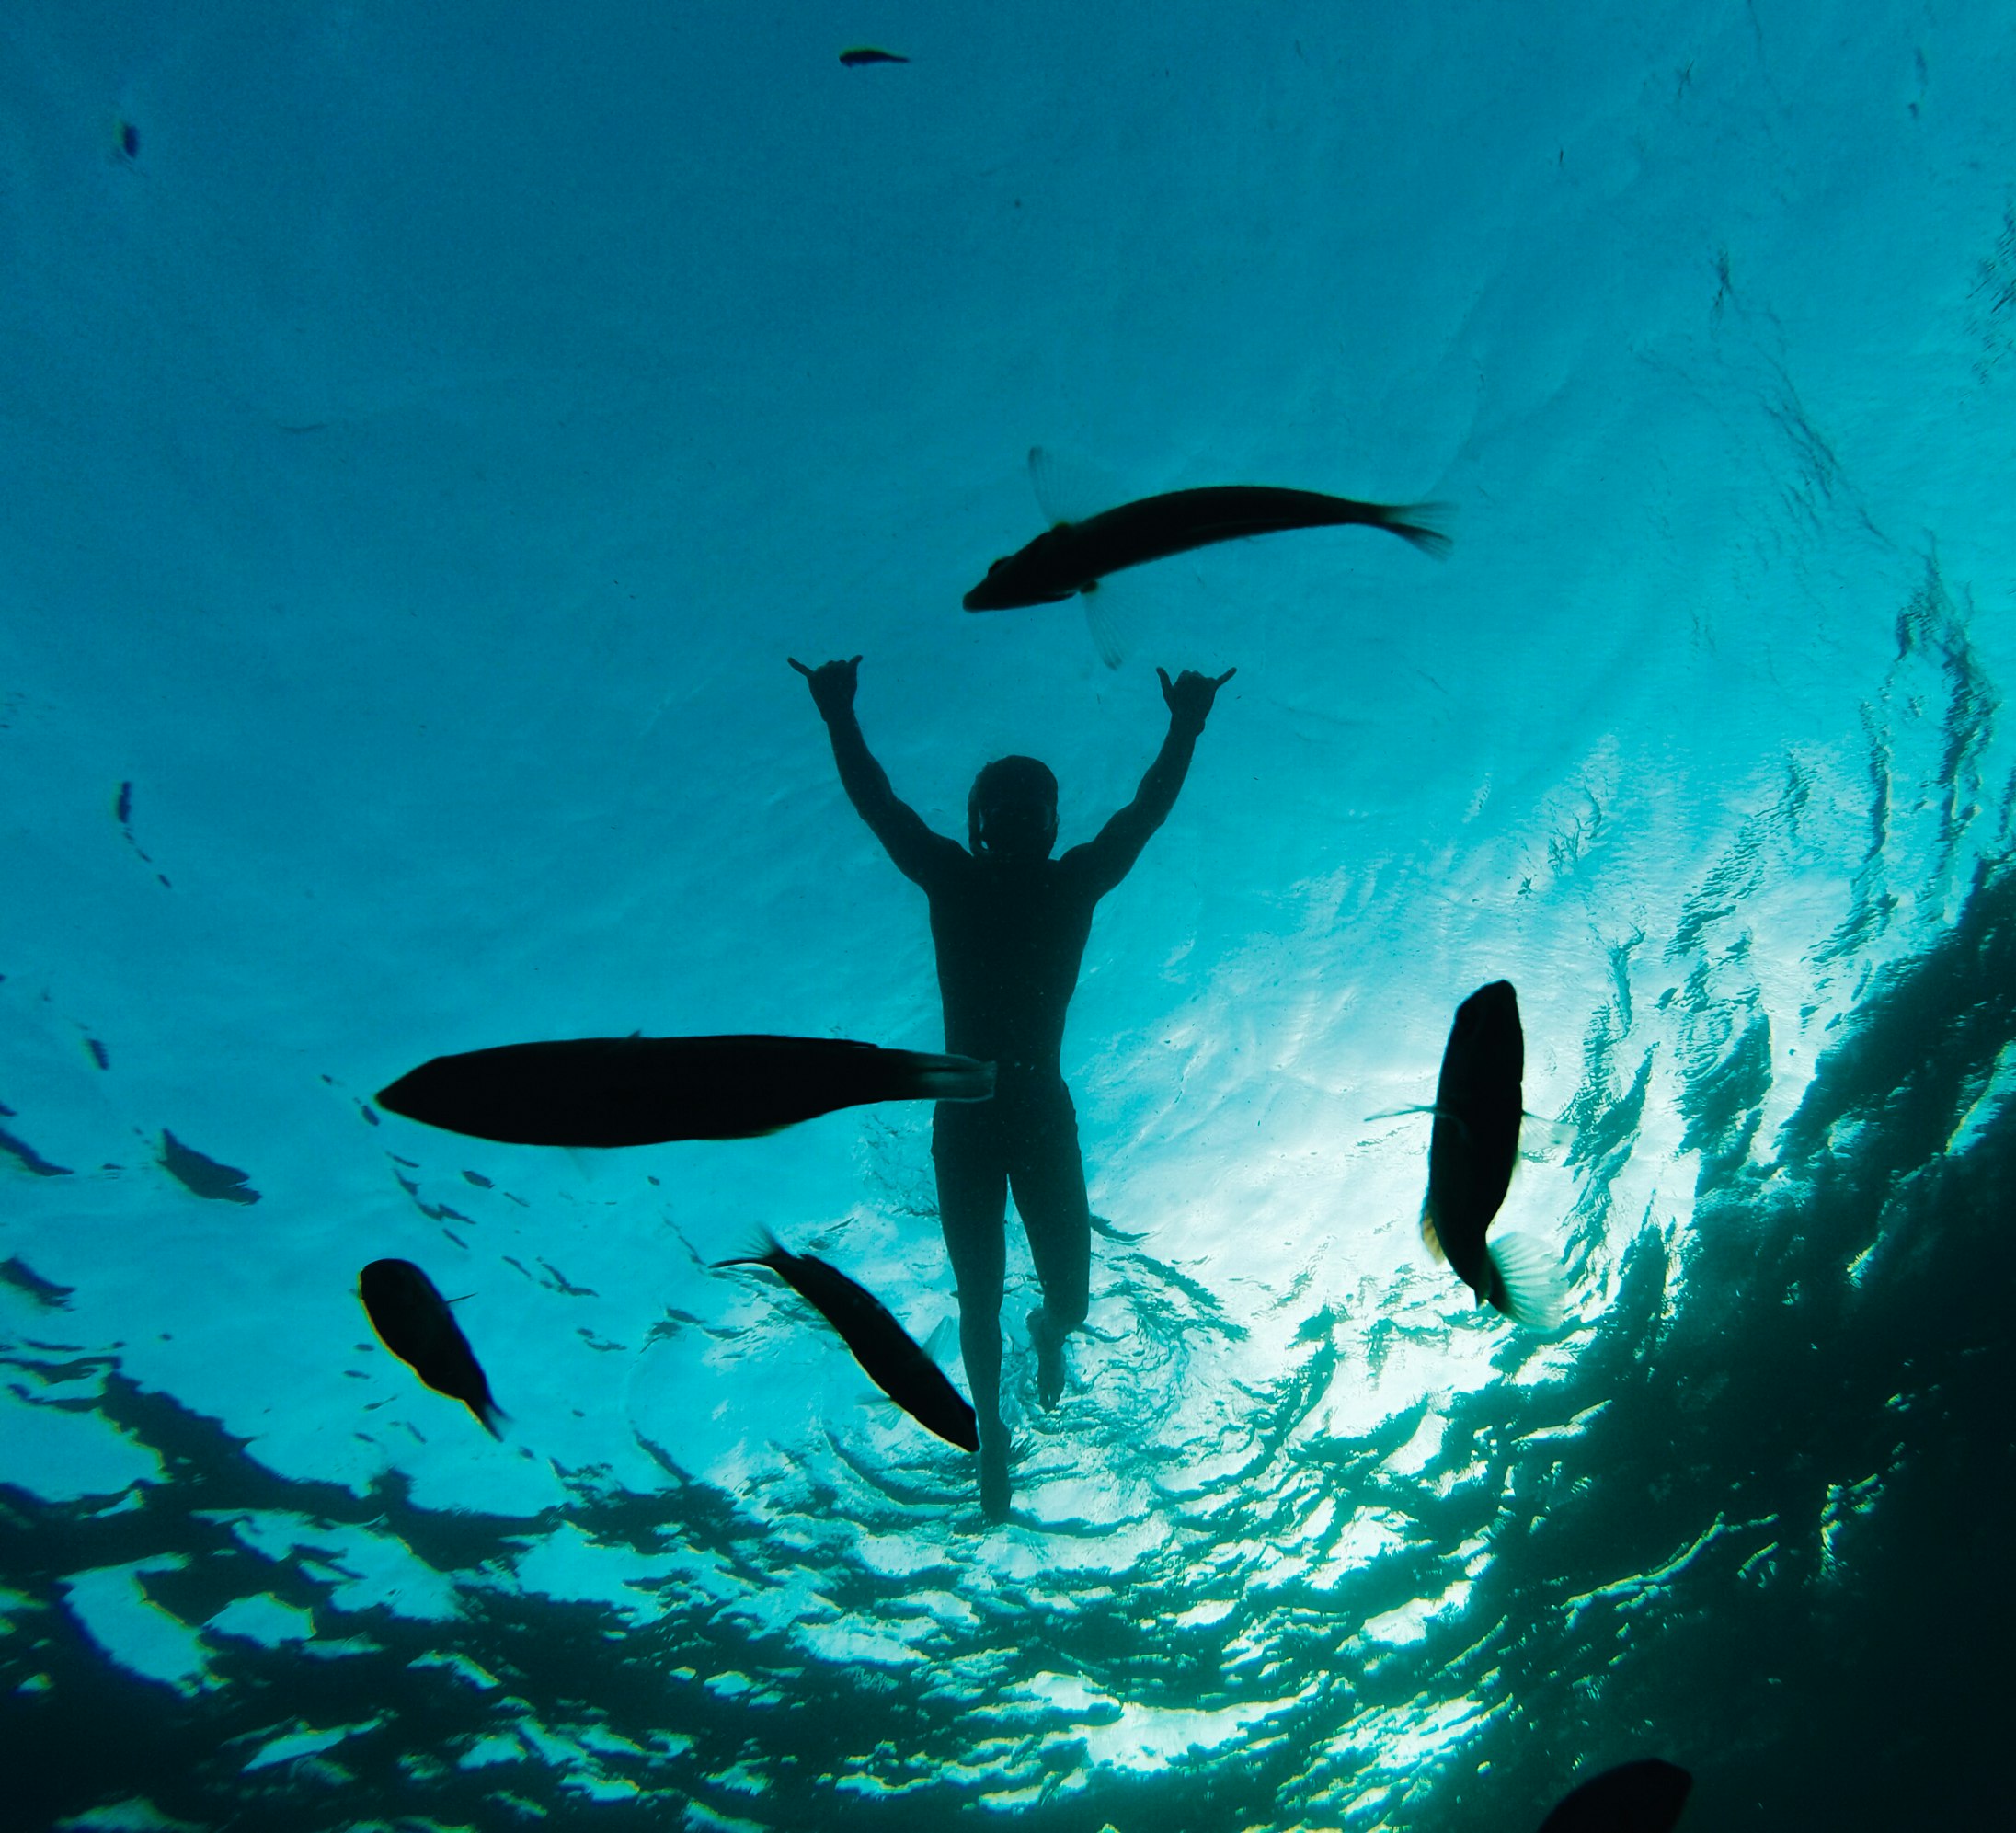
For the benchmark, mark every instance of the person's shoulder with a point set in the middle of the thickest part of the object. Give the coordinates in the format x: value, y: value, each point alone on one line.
x: 1077, y: 866
x: 945, y: 861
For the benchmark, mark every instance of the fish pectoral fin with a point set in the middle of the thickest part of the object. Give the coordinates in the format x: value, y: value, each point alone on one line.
x: 1539, y: 1137
x: 1111, y: 615
x: 1448, y: 1113
x: 1429, y: 1239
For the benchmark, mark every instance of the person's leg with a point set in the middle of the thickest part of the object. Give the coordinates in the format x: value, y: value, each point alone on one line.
x: 972, y: 1210
x: 1049, y: 1175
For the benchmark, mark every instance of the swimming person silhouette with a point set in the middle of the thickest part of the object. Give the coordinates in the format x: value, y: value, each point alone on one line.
x: 1010, y: 924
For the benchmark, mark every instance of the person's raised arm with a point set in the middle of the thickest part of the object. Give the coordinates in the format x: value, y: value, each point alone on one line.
x: 915, y: 849
x: 1110, y: 857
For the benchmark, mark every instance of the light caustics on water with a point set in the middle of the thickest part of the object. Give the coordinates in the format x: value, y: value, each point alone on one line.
x: 1696, y: 739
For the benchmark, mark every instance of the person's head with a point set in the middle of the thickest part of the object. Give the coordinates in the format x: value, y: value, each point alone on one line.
x: 1011, y: 812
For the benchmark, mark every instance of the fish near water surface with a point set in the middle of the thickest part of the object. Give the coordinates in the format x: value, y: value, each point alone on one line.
x: 1471, y: 1154
x: 1073, y: 556
x: 1642, y: 1797
x: 413, y: 1321
x: 642, y: 1091
x: 888, y: 1353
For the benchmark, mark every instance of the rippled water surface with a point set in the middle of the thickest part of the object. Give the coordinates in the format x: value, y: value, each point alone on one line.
x: 425, y: 440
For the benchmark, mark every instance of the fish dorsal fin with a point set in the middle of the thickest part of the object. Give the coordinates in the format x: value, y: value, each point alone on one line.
x: 1070, y: 488
x: 1429, y: 1239
x: 765, y: 1250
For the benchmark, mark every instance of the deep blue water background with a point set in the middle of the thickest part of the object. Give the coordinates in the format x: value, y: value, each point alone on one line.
x: 423, y: 439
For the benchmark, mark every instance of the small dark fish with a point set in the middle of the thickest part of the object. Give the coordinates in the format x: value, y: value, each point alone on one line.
x: 867, y: 54
x: 413, y: 1321
x: 886, y: 1351
x: 1642, y: 1797
x: 1073, y: 556
x: 129, y: 139
x: 1470, y: 1155
x: 641, y: 1091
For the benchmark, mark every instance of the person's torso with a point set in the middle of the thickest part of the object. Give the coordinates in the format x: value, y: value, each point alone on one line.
x: 1010, y: 939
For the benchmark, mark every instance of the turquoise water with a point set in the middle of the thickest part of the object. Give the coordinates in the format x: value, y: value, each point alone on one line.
x: 423, y: 443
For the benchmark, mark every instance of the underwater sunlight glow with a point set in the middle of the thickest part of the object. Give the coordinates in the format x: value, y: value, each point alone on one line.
x: 427, y: 443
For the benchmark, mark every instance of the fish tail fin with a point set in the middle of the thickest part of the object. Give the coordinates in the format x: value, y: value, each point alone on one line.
x: 953, y: 1078
x: 766, y: 1250
x: 1421, y: 525
x: 1429, y: 1239
x: 1535, y: 1292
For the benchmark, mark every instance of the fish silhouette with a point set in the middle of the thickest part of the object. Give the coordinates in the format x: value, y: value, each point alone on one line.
x: 1642, y: 1797
x: 887, y: 1352
x: 1075, y: 553
x: 1471, y: 1154
x: 413, y: 1321
x: 640, y: 1090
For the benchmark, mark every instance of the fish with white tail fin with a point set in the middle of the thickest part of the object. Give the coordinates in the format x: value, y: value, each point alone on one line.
x: 1471, y: 1154
x: 1642, y: 1797
x: 888, y: 1353
x: 1077, y: 550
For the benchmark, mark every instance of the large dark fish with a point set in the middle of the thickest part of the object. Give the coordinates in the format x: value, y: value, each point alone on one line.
x: 413, y: 1321
x: 1642, y: 1797
x: 1073, y: 556
x: 640, y: 1090
x: 884, y: 1349
x: 1471, y: 1154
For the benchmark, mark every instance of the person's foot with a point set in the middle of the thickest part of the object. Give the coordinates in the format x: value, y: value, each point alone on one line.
x: 1050, y: 1358
x: 994, y: 1475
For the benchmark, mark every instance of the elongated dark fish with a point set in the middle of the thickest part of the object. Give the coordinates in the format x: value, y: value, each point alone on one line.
x: 413, y: 1321
x: 867, y: 54
x: 886, y: 1351
x: 1642, y: 1797
x: 640, y: 1090
x: 1471, y: 1154
x: 1073, y: 556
